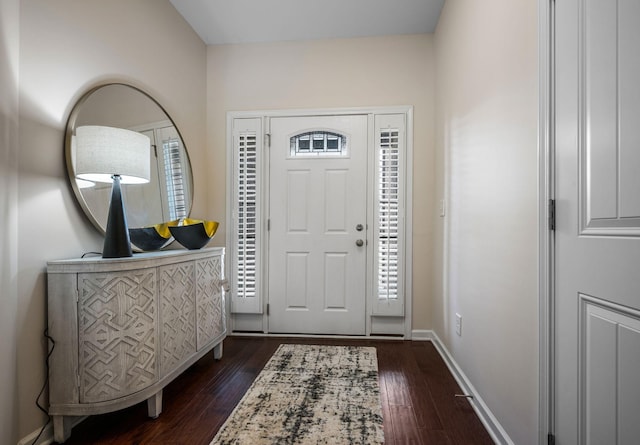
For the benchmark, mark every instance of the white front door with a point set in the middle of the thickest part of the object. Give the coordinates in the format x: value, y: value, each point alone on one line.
x: 317, y: 235
x: 597, y: 261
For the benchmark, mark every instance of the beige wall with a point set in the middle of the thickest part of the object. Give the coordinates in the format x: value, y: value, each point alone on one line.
x: 329, y: 74
x: 66, y: 47
x: 9, y: 46
x: 486, y: 58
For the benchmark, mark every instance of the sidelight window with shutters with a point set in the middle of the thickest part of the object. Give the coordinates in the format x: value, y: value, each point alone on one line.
x: 246, y: 216
x: 389, y: 212
x: 388, y: 251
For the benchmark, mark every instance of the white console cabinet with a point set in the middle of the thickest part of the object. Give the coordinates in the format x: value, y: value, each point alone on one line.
x: 125, y: 327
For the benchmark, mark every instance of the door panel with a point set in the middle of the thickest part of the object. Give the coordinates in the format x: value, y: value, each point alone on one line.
x: 297, y: 277
x: 335, y: 281
x: 597, y: 250
x: 297, y: 203
x: 316, y: 270
x: 609, y: 109
x: 611, y: 338
x: 335, y: 212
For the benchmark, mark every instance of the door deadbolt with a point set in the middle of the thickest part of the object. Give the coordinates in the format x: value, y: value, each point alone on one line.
x: 359, y: 243
x: 359, y: 227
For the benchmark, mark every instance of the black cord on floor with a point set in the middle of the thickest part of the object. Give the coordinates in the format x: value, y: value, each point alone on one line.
x: 44, y: 386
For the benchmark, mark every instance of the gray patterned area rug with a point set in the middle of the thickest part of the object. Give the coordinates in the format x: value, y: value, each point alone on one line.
x: 310, y: 394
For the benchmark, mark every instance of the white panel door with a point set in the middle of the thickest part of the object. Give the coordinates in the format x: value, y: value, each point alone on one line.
x: 317, y: 236
x: 597, y: 245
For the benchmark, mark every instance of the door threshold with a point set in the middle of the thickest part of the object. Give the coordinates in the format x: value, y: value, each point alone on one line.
x: 337, y: 336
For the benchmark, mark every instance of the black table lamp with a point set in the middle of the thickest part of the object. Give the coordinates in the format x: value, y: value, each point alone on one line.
x: 119, y: 156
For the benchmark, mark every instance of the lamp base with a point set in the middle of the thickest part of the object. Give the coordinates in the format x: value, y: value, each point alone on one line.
x: 116, y: 240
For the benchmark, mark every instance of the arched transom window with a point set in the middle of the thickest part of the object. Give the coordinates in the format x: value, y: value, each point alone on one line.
x: 318, y: 143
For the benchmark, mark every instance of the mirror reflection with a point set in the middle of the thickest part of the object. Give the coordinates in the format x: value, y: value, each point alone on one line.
x: 168, y: 195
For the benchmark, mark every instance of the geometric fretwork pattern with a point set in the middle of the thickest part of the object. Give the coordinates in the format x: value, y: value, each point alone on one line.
x: 117, y: 334
x: 177, y: 314
x: 209, y: 300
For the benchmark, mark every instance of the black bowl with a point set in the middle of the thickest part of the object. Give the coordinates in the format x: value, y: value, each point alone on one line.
x: 153, y: 237
x: 194, y: 233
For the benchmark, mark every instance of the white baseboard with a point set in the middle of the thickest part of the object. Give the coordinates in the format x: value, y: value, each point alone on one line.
x: 45, y: 439
x: 421, y: 335
x: 493, y: 427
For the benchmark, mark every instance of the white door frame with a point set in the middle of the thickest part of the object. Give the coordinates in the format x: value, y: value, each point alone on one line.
x: 259, y: 322
x: 546, y: 254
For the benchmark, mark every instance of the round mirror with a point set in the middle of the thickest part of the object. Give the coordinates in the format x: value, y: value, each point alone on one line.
x: 168, y: 194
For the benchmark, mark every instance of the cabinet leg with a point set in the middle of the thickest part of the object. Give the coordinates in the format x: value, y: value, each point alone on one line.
x: 61, y: 429
x: 154, y: 405
x: 217, y: 351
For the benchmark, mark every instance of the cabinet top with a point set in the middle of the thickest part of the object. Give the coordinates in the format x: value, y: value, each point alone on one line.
x: 138, y: 260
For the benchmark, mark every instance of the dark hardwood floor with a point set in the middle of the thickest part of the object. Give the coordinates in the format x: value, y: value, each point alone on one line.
x: 416, y: 389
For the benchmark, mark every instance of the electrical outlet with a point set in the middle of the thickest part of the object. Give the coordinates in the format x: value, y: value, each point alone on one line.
x: 459, y: 324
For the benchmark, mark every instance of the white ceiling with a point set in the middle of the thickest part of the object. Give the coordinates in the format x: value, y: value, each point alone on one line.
x: 250, y: 21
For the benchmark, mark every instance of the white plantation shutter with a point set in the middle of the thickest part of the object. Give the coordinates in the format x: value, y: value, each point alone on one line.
x: 389, y: 211
x: 174, y: 178
x: 247, y: 200
x: 388, y: 214
x: 246, y: 217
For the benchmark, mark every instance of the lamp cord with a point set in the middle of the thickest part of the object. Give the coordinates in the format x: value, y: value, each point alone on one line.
x: 46, y: 382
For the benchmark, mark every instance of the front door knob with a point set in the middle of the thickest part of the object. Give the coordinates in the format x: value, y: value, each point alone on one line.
x: 359, y: 243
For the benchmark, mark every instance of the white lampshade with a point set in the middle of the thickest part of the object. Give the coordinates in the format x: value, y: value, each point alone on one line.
x: 84, y: 184
x: 102, y: 152
x: 80, y: 183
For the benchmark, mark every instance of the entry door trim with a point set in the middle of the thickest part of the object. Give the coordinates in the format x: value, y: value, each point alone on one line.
x: 546, y: 243
x: 258, y: 322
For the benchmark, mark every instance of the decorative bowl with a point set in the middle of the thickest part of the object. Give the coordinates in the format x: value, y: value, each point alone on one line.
x: 194, y: 233
x: 153, y: 237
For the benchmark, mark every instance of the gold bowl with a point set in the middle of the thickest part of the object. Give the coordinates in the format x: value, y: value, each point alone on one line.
x: 152, y: 237
x: 194, y: 233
